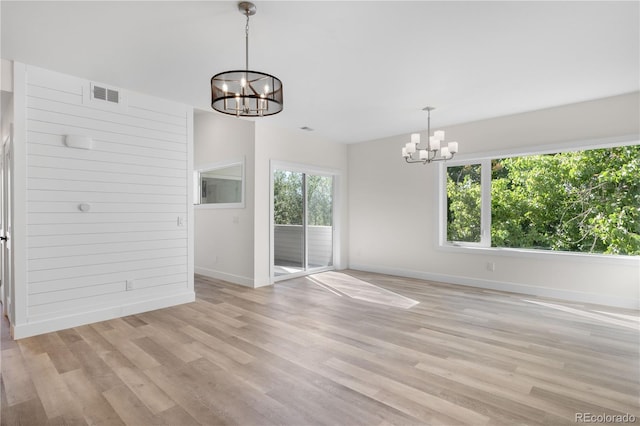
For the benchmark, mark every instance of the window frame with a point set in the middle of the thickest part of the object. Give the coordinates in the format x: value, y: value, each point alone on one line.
x: 337, y: 175
x: 217, y: 166
x: 484, y: 159
x: 485, y: 204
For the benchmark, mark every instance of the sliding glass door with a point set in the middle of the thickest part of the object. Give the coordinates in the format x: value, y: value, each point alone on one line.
x: 319, y: 229
x: 288, y: 220
x: 302, y: 222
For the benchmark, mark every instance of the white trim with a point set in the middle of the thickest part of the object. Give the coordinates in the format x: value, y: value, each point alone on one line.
x: 191, y: 223
x: 19, y: 193
x: 441, y: 202
x: 337, y: 222
x: 224, y: 276
x: 262, y: 283
x: 53, y: 324
x: 611, y: 259
x: 6, y: 75
x: 304, y: 168
x: 485, y: 204
x: 554, y: 148
x: 566, y: 295
x: 272, y: 274
x: 305, y: 221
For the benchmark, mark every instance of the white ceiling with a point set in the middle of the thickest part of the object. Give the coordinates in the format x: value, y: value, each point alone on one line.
x: 353, y: 71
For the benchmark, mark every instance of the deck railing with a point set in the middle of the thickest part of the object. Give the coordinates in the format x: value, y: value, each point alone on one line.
x: 288, y: 245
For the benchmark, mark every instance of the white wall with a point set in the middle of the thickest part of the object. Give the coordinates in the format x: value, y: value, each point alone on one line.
x: 393, y: 209
x: 136, y: 180
x: 234, y: 244
x: 300, y: 147
x: 224, y: 237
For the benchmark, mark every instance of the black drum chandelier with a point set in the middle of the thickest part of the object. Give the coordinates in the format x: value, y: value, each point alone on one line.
x: 246, y: 93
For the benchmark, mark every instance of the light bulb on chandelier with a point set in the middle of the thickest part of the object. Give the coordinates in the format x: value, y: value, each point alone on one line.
x: 433, y: 151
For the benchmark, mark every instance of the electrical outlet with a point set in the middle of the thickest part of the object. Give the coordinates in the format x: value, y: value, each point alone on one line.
x: 491, y: 266
x: 236, y: 219
x: 130, y: 285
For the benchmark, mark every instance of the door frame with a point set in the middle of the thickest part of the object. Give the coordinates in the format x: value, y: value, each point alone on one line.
x: 3, y: 298
x: 336, y: 208
x: 7, y: 224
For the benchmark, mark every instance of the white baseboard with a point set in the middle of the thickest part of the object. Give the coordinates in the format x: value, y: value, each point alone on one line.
x: 234, y: 279
x: 103, y: 314
x: 262, y: 283
x: 568, y: 295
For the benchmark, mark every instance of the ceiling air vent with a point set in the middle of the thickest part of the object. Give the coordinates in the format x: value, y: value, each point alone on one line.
x: 104, y: 94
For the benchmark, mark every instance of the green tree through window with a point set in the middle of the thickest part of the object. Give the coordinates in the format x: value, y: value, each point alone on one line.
x: 288, y: 198
x: 584, y: 201
x: 463, y: 203
x: 288, y: 201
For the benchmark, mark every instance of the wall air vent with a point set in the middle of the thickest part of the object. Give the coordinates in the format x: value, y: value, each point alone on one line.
x: 99, y: 93
x: 104, y: 94
x: 112, y: 96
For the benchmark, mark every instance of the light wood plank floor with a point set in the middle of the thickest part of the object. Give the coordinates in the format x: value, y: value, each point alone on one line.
x: 300, y: 353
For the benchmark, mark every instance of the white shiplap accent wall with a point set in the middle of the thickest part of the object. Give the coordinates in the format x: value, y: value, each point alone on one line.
x: 136, y: 179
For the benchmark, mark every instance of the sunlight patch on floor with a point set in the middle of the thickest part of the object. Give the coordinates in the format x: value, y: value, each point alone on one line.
x: 622, y: 316
x: 346, y: 285
x: 627, y: 321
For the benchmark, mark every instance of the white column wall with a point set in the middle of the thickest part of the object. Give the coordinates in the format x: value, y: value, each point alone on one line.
x: 274, y: 144
x: 224, y: 237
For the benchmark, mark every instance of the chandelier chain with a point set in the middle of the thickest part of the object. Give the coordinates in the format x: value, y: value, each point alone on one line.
x: 246, y: 43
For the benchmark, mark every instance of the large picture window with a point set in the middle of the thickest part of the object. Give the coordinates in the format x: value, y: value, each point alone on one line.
x: 585, y: 201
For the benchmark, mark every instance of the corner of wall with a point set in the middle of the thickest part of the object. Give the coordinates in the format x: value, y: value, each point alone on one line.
x: 225, y: 237
x: 6, y: 75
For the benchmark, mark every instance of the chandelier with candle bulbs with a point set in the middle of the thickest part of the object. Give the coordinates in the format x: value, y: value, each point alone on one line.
x: 246, y: 93
x: 434, y: 149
